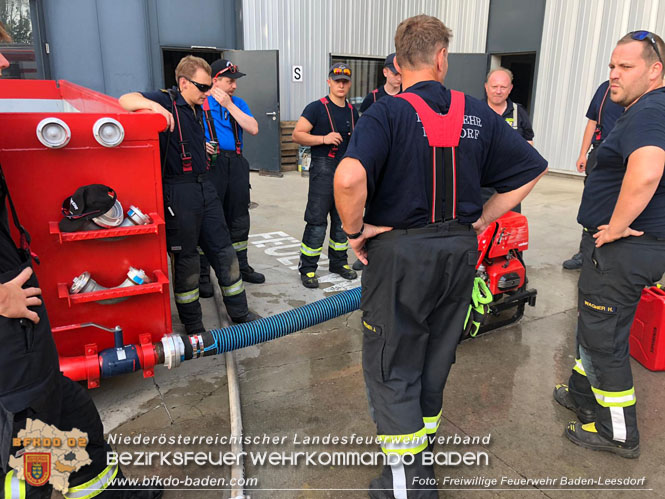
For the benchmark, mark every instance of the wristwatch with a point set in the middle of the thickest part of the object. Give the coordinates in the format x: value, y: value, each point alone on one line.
x: 357, y: 234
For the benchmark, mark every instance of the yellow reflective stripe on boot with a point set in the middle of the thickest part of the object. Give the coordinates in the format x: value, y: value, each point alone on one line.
x: 95, y: 486
x: 615, y: 399
x: 432, y: 423
x: 579, y: 367
x: 412, y: 443
x: 240, y: 246
x: 234, y: 289
x: 14, y: 486
x: 307, y: 251
x: 338, y: 246
x: 187, y: 296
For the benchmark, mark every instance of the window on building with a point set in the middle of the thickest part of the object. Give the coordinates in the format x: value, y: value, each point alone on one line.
x: 17, y: 18
x: 366, y: 75
x: 171, y: 57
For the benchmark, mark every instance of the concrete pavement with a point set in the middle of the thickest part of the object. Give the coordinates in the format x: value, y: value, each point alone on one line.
x: 310, y: 384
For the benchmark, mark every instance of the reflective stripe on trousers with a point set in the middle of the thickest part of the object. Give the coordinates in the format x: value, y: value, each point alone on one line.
x: 432, y: 423
x: 14, y: 486
x: 187, y: 296
x: 93, y: 487
x: 412, y: 443
x: 234, y: 289
x: 240, y: 245
x: 306, y: 250
x: 334, y: 245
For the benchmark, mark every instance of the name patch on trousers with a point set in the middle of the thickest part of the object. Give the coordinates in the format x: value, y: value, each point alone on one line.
x: 610, y: 309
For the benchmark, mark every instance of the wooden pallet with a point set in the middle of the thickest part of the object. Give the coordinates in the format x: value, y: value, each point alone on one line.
x: 289, y: 148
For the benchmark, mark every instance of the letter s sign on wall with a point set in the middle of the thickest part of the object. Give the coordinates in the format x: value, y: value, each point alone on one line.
x: 296, y: 74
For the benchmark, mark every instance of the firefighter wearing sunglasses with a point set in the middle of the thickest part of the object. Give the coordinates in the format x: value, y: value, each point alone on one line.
x: 227, y: 118
x: 192, y: 208
x: 623, y: 250
x: 326, y: 126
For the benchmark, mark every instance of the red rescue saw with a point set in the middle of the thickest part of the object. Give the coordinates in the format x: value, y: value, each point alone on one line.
x: 501, y: 266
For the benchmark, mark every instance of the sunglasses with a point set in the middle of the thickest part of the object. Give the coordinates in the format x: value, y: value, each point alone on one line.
x: 339, y: 71
x: 231, y: 69
x: 646, y: 35
x: 202, y: 87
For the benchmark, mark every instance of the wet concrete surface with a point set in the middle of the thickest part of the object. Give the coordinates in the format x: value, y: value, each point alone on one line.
x: 310, y: 384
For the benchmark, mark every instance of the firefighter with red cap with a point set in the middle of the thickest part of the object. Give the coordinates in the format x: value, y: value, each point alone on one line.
x: 326, y: 126
x: 227, y: 118
x: 416, y: 163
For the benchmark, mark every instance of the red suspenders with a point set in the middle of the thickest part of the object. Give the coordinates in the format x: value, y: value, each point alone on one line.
x: 599, y: 128
x: 374, y: 92
x: 185, y: 156
x: 443, y: 135
x: 324, y: 101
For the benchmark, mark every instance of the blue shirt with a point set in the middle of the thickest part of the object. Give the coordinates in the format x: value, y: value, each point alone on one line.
x: 221, y: 119
x: 524, y: 127
x: 391, y: 144
x: 608, y: 111
x: 191, y: 124
x: 641, y: 125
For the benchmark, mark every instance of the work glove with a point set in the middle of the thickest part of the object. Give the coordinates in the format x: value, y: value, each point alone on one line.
x: 481, y: 297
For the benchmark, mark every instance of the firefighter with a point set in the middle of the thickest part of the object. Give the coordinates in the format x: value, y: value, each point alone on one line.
x: 418, y: 239
x: 623, y: 250
x: 601, y: 117
x: 498, y: 85
x: 31, y: 385
x: 392, y: 86
x: 227, y: 117
x: 325, y: 125
x: 192, y: 208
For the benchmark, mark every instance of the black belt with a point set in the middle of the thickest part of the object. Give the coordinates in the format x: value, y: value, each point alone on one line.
x: 186, y: 178
x: 452, y: 226
x: 229, y: 154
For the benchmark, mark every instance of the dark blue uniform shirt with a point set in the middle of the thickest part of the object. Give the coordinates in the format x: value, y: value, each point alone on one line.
x: 316, y: 114
x: 390, y: 143
x: 641, y: 125
x: 609, y: 115
x: 524, y: 127
x: 372, y: 97
x: 223, y: 127
x: 193, y: 134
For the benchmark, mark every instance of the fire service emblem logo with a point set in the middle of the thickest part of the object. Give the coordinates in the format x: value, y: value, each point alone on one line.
x: 37, y: 468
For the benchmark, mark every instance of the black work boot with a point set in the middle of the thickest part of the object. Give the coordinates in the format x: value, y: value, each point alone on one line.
x: 345, y: 271
x: 309, y: 280
x: 251, y: 316
x: 358, y: 265
x: 563, y: 397
x: 252, y: 276
x: 587, y: 436
x: 248, y: 273
x: 574, y: 263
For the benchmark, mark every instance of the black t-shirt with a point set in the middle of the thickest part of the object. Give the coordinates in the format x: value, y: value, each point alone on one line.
x: 316, y: 114
x: 390, y: 143
x: 372, y: 97
x: 641, y: 125
x: 524, y: 127
x: 609, y: 116
x: 193, y: 133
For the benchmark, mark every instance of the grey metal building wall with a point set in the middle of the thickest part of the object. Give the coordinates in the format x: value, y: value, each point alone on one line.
x: 114, y: 46
x: 306, y: 32
x: 578, y: 39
